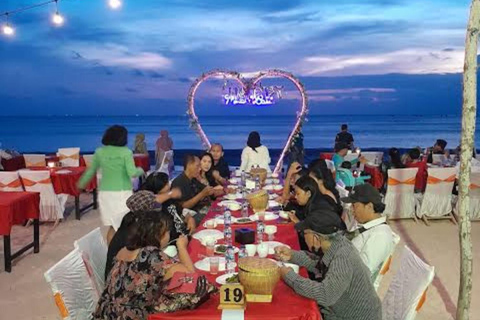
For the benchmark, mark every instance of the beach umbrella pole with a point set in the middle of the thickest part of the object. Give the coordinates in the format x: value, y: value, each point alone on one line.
x: 469, y: 112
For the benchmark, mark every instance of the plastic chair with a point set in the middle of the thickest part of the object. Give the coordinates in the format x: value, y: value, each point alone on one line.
x: 346, y: 177
x: 408, y: 290
x: 436, y: 203
x: 52, y: 205
x: 400, y: 200
x: 10, y: 181
x: 73, y: 290
x: 69, y: 157
x: 35, y: 160
x: 385, y: 267
x: 94, y: 251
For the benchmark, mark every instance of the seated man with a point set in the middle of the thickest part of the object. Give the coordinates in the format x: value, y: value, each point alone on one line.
x: 194, y: 194
x: 219, y: 164
x: 341, y: 150
x: 438, y: 148
x: 422, y: 173
x: 374, y: 239
x: 344, y: 289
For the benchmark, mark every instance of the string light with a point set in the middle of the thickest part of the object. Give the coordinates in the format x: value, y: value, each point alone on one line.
x: 57, y: 18
x: 115, y: 4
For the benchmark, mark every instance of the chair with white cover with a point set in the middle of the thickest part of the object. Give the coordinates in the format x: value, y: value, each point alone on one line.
x: 408, y: 290
x: 69, y: 157
x: 73, y: 290
x: 94, y: 251
x: 88, y: 158
x: 35, y: 160
x: 167, y: 161
x: 385, y: 267
x: 436, y: 202
x: 474, y: 195
x: 10, y: 181
x: 400, y: 200
x: 52, y: 205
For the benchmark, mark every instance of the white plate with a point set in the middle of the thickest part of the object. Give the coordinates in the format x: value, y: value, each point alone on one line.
x: 235, y: 249
x: 217, y: 235
x: 273, y: 244
x: 272, y: 181
x: 269, y: 216
x: 273, y: 204
x: 233, y: 196
x: 231, y: 205
x: 275, y: 187
x: 223, y: 278
x: 234, y: 181
x: 204, y: 264
x: 295, y: 267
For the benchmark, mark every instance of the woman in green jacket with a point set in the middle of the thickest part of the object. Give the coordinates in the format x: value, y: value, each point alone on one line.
x: 115, y: 162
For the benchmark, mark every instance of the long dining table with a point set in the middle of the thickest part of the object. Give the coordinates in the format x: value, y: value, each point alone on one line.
x: 286, y: 303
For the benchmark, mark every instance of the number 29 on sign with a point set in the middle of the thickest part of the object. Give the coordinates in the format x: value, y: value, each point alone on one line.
x: 232, y: 296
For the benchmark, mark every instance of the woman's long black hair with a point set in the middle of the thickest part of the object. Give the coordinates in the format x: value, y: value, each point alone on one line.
x: 307, y: 183
x: 147, y: 230
x: 155, y: 182
x: 209, y: 173
x: 254, y: 140
x: 318, y: 168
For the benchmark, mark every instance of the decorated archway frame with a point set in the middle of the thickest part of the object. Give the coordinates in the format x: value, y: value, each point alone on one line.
x: 246, y: 84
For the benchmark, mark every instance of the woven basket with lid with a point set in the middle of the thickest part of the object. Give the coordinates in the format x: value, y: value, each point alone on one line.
x: 258, y: 276
x: 258, y: 200
x: 261, y: 173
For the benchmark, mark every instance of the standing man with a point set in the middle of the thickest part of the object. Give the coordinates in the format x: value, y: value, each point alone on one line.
x: 345, y: 137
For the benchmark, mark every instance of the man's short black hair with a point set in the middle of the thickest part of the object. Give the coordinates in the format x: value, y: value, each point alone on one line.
x: 216, y: 144
x: 115, y: 136
x: 414, y: 154
x: 189, y: 158
x: 344, y: 126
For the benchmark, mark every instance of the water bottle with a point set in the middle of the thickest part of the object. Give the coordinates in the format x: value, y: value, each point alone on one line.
x: 227, y: 234
x: 230, y: 259
x: 243, y: 252
x: 243, y: 178
x: 227, y: 217
x: 260, y: 230
x: 245, y: 209
x: 257, y: 183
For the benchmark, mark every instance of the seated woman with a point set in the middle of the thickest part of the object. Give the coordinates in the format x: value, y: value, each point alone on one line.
x: 293, y: 174
x: 210, y: 177
x: 137, y: 284
x: 255, y: 154
x: 342, y: 288
x: 319, y: 171
x: 309, y: 197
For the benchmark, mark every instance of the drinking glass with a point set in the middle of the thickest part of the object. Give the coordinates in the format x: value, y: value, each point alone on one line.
x: 214, y: 265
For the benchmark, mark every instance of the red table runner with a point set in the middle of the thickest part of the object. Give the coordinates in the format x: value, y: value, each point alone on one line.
x: 286, y: 303
x: 16, y: 207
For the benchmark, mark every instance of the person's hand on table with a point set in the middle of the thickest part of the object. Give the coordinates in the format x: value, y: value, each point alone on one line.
x: 207, y: 191
x: 284, y: 271
x: 283, y: 253
x: 293, y: 217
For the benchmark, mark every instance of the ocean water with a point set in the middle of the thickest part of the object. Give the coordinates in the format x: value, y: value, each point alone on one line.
x: 47, y: 134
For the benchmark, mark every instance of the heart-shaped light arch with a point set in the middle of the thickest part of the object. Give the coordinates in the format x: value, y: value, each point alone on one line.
x: 301, y: 115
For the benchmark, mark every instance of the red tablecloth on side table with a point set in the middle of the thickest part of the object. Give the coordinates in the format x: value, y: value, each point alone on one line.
x: 66, y: 183
x: 376, y: 175
x: 16, y: 207
x: 13, y: 164
x: 326, y: 155
x: 286, y: 303
x: 142, y: 161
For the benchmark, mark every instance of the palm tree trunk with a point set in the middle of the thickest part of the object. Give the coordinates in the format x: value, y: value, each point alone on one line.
x: 469, y: 111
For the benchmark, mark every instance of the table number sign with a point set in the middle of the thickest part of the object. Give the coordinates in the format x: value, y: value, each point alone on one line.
x: 232, y: 296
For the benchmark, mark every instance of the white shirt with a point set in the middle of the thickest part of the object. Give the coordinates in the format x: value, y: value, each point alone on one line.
x: 375, y: 244
x: 250, y: 158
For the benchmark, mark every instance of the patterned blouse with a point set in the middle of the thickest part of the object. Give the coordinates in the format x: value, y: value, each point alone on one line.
x: 135, y: 289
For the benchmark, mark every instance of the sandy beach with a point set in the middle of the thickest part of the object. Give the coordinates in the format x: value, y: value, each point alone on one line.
x: 24, y: 294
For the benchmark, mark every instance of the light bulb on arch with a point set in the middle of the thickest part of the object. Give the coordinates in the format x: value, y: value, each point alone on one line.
x: 115, y: 4
x: 58, y: 19
x: 8, y: 30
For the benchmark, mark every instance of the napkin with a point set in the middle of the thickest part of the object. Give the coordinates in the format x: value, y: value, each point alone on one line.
x: 233, y: 314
